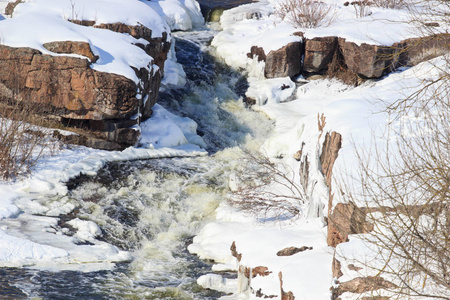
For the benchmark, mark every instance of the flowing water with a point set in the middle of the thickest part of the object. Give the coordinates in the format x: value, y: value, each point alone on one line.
x: 153, y: 208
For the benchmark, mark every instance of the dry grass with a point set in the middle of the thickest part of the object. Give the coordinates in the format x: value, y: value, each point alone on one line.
x: 22, y: 144
x: 306, y: 13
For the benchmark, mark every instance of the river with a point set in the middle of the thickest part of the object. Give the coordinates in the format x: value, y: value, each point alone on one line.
x: 153, y: 208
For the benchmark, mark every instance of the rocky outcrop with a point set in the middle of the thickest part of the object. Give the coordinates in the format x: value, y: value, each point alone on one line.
x: 103, y: 105
x: 157, y: 48
x: 368, y: 61
x: 283, y: 62
x: 346, y: 219
x: 319, y: 53
x: 70, y: 47
x: 364, y: 61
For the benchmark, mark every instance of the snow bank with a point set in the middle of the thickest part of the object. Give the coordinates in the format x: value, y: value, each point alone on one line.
x: 117, y: 52
x: 179, y: 15
x: 259, y: 243
x: 165, y: 129
x: 357, y: 113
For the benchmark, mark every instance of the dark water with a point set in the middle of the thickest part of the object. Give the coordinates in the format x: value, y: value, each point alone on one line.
x: 208, y: 6
x: 223, y: 3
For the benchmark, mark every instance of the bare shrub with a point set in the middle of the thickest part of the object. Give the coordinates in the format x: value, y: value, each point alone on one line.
x: 362, y: 8
x: 22, y: 139
x: 392, y: 4
x: 271, y: 189
x: 406, y: 191
x: 306, y: 13
x: 21, y: 143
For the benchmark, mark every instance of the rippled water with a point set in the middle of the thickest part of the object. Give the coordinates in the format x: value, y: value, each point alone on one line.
x: 153, y: 208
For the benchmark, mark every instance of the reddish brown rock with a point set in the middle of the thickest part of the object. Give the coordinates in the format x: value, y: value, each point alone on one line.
x: 157, y: 47
x: 368, y: 61
x: 413, y: 51
x: 344, y: 220
x: 319, y: 53
x: 361, y: 285
x: 330, y: 151
x: 336, y: 267
x: 284, y: 295
x: 285, y: 61
x: 257, y: 52
x: 78, y: 96
x: 234, y: 252
x: 260, y: 270
x: 354, y: 268
x: 70, y: 47
x: 292, y: 250
x: 9, y: 10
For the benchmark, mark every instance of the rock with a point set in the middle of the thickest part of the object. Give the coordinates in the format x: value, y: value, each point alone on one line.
x: 292, y: 250
x: 319, y: 53
x: 368, y: 61
x: 346, y: 219
x: 100, y: 105
x: 413, y: 51
x: 336, y: 267
x: 354, y: 268
x: 284, y: 295
x: 330, y: 151
x: 158, y: 48
x: 70, y: 47
x: 260, y: 270
x: 285, y: 61
x: 257, y: 52
x: 234, y: 252
x: 361, y: 285
x: 9, y: 10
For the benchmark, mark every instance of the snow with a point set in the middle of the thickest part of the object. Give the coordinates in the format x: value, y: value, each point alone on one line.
x: 117, y: 52
x: 355, y: 112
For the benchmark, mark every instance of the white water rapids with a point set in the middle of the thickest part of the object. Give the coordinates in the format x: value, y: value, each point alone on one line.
x: 153, y: 208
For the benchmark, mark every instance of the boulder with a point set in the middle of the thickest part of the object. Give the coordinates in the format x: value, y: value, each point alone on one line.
x: 413, y: 51
x: 70, y: 47
x: 102, y: 105
x: 285, y: 61
x: 368, y: 61
x: 257, y: 52
x: 319, y: 53
x: 361, y: 285
x: 346, y: 219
